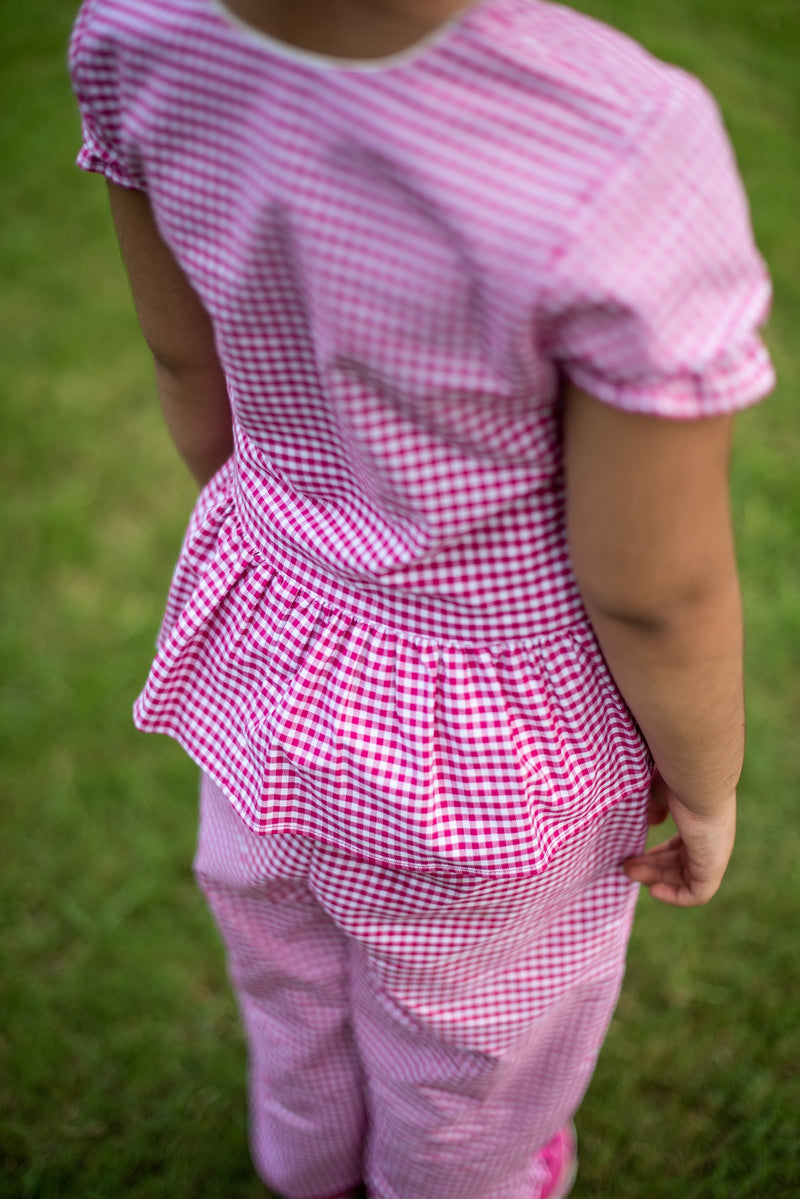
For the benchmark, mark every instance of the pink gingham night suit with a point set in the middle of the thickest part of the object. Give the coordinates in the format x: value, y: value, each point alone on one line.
x: 374, y: 646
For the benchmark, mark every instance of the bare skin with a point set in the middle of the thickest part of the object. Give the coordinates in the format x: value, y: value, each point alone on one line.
x: 356, y: 29
x: 652, y: 550
x: 191, y: 384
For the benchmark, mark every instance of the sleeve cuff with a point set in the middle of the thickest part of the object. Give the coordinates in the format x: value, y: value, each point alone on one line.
x: 734, y: 381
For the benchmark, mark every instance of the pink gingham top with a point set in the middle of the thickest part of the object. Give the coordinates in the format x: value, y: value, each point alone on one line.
x: 373, y: 635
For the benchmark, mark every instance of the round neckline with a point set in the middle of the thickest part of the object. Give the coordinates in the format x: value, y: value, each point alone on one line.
x: 316, y: 59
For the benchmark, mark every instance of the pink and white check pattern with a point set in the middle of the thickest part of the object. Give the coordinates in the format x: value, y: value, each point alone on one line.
x: 373, y: 636
x: 427, y: 1033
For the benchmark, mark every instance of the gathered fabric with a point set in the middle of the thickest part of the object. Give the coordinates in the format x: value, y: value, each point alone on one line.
x: 419, y: 752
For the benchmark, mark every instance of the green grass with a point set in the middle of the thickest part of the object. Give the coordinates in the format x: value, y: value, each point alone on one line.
x: 121, y: 1062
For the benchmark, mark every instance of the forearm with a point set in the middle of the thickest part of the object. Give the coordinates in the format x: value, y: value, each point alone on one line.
x: 196, y: 408
x: 681, y: 675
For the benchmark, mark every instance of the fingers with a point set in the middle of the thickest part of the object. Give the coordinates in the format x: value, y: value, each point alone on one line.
x: 664, y: 850
x: 686, y: 870
x: 666, y: 868
x: 666, y: 871
x: 679, y: 897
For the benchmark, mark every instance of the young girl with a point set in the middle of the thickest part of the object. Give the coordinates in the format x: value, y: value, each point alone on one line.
x: 450, y: 307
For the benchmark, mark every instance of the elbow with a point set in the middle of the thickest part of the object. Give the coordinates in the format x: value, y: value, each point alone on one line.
x: 186, y: 365
x: 656, y: 609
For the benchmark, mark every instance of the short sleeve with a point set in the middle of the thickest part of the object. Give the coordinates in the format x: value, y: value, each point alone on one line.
x: 655, y: 305
x: 98, y: 87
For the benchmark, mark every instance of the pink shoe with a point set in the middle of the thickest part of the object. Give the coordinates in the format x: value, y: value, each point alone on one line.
x: 561, y: 1158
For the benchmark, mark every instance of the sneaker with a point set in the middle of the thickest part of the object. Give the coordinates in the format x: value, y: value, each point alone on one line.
x: 560, y: 1156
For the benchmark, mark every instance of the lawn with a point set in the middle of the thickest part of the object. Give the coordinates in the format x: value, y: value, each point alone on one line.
x: 121, y: 1062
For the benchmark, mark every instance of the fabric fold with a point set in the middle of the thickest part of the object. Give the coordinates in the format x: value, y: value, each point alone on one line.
x: 421, y: 753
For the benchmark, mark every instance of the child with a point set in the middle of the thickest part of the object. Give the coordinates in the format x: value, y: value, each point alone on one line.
x: 450, y: 307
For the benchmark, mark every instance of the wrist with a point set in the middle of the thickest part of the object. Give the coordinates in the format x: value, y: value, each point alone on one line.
x: 700, y: 805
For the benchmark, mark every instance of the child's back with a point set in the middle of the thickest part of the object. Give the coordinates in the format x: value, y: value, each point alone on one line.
x: 382, y: 631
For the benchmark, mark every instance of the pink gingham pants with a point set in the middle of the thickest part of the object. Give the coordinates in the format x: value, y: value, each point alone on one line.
x: 427, y: 1033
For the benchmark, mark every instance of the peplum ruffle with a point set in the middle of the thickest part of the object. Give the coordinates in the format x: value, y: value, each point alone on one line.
x: 415, y: 752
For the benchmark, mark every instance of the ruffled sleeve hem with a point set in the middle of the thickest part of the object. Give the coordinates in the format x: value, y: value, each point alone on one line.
x: 92, y: 157
x: 734, y: 382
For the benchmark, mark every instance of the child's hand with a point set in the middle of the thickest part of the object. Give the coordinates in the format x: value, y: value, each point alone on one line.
x: 688, y: 869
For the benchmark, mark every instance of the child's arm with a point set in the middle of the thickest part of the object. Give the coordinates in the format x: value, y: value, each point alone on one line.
x: 191, y: 384
x: 651, y: 546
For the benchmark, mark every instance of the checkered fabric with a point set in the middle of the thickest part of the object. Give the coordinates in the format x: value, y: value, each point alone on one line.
x: 373, y: 636
x: 427, y: 1033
